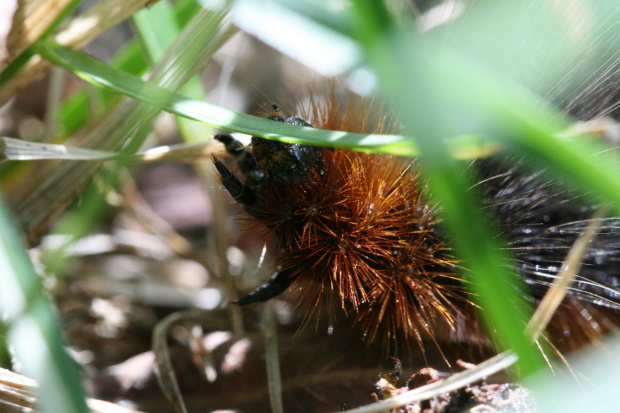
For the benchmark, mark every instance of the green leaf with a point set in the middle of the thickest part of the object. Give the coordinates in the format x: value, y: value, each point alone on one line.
x: 99, y: 73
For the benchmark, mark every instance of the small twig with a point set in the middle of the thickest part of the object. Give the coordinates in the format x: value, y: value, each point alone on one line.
x: 272, y: 362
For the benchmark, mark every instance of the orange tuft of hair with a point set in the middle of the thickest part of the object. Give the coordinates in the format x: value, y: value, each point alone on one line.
x: 362, y: 233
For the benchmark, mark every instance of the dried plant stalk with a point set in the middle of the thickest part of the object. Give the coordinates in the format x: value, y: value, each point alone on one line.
x: 31, y: 19
x: 18, y: 395
x: 77, y: 33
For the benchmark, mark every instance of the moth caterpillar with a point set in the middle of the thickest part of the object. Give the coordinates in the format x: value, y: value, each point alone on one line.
x: 359, y: 228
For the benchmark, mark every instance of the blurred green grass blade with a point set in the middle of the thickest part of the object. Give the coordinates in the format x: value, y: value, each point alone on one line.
x: 5, y: 357
x: 406, y: 76
x: 474, y: 94
x: 323, y: 12
x: 515, y: 117
x: 33, y: 329
x: 552, y: 49
x: 157, y: 28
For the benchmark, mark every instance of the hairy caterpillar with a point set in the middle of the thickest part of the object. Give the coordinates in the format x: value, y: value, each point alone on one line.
x: 359, y: 229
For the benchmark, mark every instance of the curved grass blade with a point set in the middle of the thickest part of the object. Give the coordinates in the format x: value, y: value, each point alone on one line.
x: 463, y: 147
x: 526, y: 124
x: 99, y: 73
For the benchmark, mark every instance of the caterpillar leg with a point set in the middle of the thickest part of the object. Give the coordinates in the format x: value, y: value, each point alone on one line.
x: 245, y: 159
x: 276, y: 285
x: 242, y: 193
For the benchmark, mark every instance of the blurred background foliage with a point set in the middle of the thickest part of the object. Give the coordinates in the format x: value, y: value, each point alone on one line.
x: 118, y: 246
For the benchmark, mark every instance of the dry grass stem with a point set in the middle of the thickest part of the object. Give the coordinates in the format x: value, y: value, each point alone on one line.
x: 18, y: 395
x: 77, y: 33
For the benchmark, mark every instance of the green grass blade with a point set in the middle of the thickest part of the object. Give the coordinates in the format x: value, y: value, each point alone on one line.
x: 157, y: 28
x: 516, y: 111
x: 77, y: 109
x: 33, y: 328
x: 310, y: 39
x: 101, y: 74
